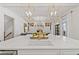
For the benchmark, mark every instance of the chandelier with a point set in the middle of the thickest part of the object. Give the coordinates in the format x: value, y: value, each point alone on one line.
x: 28, y: 11
x: 52, y: 11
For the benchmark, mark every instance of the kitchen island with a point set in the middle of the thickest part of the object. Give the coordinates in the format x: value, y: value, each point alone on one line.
x: 54, y: 45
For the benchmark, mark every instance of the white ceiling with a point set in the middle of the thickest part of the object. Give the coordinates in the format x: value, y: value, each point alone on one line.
x: 38, y: 9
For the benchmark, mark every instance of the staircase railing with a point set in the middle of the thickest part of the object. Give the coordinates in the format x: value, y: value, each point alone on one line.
x: 8, y: 35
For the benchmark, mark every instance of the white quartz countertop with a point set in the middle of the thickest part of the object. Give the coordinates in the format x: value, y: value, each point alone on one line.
x: 53, y: 42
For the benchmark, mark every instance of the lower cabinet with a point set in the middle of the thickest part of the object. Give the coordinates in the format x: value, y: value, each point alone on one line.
x: 38, y: 52
x: 48, y: 52
x: 69, y: 52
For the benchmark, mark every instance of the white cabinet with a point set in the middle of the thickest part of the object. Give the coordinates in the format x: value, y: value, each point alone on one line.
x: 38, y: 52
x: 48, y: 52
x: 69, y: 52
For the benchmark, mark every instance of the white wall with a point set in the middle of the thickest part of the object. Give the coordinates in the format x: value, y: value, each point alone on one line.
x: 73, y: 23
x: 18, y: 22
x: 1, y: 24
x: 9, y: 27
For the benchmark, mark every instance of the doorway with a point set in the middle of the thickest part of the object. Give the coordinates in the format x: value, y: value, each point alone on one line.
x: 8, y: 27
x: 64, y: 26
